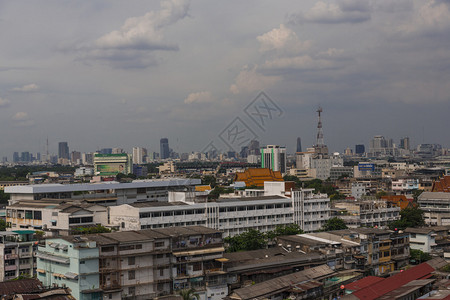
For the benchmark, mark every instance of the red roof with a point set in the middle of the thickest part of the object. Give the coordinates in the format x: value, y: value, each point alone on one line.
x: 362, y: 283
x: 389, y: 284
x: 443, y: 185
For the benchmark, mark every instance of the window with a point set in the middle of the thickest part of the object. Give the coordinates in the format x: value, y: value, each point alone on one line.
x: 197, y: 266
x: 108, y: 249
x: 159, y: 244
x: 37, y: 215
x: 161, y: 272
x: 131, y: 260
x: 131, y: 275
x: 131, y: 290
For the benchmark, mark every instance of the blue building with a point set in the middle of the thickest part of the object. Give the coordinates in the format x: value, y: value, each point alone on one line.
x: 71, y: 262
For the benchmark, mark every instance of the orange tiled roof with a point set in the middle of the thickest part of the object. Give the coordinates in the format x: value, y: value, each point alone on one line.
x: 202, y: 188
x: 443, y: 185
x: 257, y: 176
x: 399, y: 200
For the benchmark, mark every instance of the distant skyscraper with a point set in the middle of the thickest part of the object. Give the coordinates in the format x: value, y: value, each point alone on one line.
x: 274, y: 158
x: 359, y: 149
x: 299, y: 144
x: 164, y: 148
x: 63, y: 150
x: 404, y: 143
x: 254, y: 147
x: 16, y: 157
x: 25, y: 156
x: 106, y: 151
x: 139, y: 155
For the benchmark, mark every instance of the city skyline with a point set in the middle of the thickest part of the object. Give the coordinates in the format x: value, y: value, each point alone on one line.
x: 114, y: 74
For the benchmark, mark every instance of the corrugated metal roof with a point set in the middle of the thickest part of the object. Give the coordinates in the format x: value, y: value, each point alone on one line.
x: 389, y: 284
x: 19, y: 286
x: 112, y: 185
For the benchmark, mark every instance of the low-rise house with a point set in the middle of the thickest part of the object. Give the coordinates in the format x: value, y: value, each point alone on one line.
x: 429, y: 239
x: 409, y: 284
x: 366, y: 213
x: 382, y: 251
x: 249, y: 267
x: 55, y: 216
x: 314, y: 283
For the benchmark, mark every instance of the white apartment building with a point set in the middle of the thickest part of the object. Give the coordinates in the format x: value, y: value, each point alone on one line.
x: 405, y: 186
x: 54, y: 216
x: 232, y: 216
x: 318, y: 166
x: 436, y: 207
x: 105, y: 193
x: 139, y: 155
x: 274, y: 158
x: 367, y: 213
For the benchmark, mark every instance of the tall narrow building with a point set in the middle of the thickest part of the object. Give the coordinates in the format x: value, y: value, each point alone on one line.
x: 63, y: 150
x: 274, y: 157
x: 299, y: 144
x: 164, y: 148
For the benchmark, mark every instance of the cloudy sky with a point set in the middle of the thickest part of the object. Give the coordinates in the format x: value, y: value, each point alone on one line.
x: 127, y: 73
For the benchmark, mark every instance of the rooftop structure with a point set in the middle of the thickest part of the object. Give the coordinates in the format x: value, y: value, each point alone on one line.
x: 442, y: 185
x: 257, y: 176
x: 137, y: 190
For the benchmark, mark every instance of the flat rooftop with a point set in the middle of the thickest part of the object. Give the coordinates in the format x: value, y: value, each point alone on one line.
x: 109, y: 185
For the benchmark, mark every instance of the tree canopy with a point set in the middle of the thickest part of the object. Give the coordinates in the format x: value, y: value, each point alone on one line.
x: 89, y: 230
x: 409, y: 217
x: 254, y: 239
x: 334, y: 224
x: 189, y: 294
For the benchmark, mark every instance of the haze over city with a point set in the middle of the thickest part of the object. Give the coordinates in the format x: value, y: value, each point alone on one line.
x: 127, y: 73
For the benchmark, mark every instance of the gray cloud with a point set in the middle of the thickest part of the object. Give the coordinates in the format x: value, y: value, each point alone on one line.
x: 135, y: 43
x: 350, y: 11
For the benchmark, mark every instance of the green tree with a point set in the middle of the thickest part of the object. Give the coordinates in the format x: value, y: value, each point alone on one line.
x: 409, y: 217
x: 189, y: 294
x: 90, y: 230
x: 249, y: 240
x: 334, y: 224
x: 3, y: 225
x: 418, y: 256
x: 215, y: 193
x: 381, y: 194
x: 290, y: 229
x: 209, y: 179
x: 416, y: 194
x: 3, y: 197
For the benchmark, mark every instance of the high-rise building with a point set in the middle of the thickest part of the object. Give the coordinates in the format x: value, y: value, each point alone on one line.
x: 404, y: 143
x: 299, y: 144
x: 164, y: 148
x: 106, y: 151
x: 63, y: 150
x: 117, y: 151
x: 274, y: 158
x: 254, y: 147
x: 25, y: 156
x: 16, y: 157
x: 139, y: 155
x: 379, y: 146
x: 75, y: 157
x: 360, y: 149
